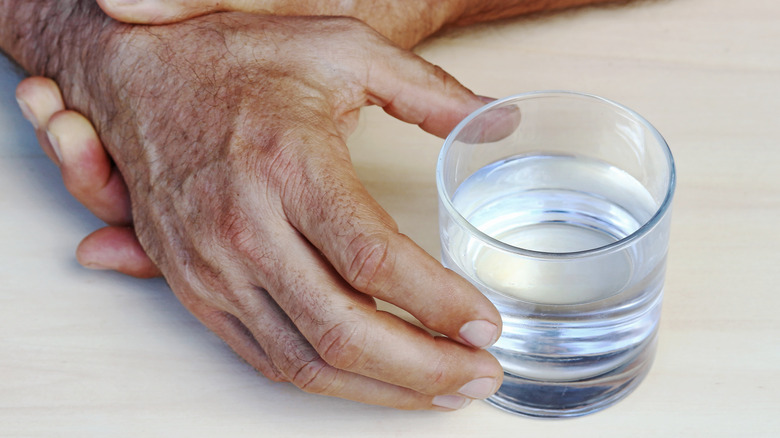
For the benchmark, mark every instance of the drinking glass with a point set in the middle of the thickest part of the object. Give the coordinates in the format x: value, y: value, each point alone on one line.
x: 556, y: 206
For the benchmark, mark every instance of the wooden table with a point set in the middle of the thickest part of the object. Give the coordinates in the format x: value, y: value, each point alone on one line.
x: 86, y: 353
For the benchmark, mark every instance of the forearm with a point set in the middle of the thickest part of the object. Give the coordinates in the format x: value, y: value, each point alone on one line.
x: 408, y: 22
x: 60, y: 39
x: 475, y: 11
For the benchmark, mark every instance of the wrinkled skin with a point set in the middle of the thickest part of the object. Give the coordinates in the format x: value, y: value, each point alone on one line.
x: 243, y: 195
x: 245, y: 198
x: 89, y: 174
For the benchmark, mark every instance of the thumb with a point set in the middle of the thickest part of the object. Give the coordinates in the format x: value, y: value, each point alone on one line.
x: 415, y: 91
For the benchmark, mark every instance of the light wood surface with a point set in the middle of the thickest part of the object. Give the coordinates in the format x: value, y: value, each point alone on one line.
x: 86, y: 353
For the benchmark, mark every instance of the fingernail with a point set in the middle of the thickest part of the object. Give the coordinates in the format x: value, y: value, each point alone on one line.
x: 452, y: 402
x: 480, y: 334
x: 55, y: 145
x: 479, y: 388
x: 27, y: 113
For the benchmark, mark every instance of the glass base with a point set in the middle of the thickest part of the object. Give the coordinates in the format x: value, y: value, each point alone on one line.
x: 533, y: 398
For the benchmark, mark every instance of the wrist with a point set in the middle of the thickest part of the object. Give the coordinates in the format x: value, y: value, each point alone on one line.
x: 65, y: 40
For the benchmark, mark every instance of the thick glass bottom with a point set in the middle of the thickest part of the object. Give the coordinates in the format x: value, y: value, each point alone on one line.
x: 534, y: 398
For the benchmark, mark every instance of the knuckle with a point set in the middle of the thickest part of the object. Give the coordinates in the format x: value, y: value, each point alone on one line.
x: 313, y: 376
x: 277, y: 154
x: 237, y: 235
x: 342, y: 346
x: 202, y: 283
x: 369, y: 262
x: 233, y: 229
x: 273, y: 374
x: 300, y: 364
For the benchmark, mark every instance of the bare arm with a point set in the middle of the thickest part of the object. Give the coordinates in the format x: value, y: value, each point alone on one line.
x: 230, y: 132
x: 405, y: 22
x: 61, y: 40
x: 476, y: 11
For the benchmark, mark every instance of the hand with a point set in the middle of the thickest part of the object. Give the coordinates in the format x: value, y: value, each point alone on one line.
x: 244, y: 196
x: 90, y: 176
x: 116, y: 246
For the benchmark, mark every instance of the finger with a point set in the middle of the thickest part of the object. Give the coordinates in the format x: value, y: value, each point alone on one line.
x: 495, y: 123
x: 413, y: 90
x: 302, y: 365
x: 118, y: 249
x: 344, y: 327
x: 288, y: 350
x: 240, y: 339
x: 89, y: 174
x: 85, y: 175
x: 351, y: 335
x: 364, y: 245
x: 171, y: 11
x: 39, y: 98
x: 87, y: 170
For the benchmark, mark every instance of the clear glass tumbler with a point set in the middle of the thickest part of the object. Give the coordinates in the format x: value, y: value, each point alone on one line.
x: 556, y: 205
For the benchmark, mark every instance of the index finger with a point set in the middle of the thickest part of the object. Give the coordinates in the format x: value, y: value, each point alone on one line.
x: 364, y: 245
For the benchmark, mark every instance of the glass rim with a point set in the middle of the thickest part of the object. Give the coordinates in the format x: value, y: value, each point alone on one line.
x: 646, y: 227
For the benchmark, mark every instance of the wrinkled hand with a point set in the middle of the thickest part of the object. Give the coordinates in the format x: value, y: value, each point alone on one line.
x: 89, y: 175
x: 230, y: 132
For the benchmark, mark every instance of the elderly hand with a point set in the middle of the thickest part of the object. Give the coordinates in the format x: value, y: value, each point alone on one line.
x: 230, y: 132
x: 90, y: 176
